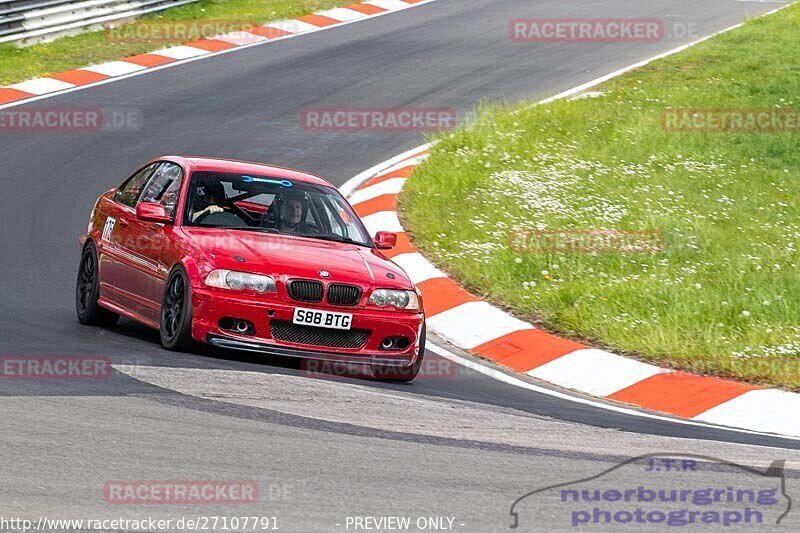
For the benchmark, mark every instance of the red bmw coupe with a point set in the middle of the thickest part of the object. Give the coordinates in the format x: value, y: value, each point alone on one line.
x: 251, y: 257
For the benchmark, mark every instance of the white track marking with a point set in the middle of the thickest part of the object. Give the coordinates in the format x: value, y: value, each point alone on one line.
x: 382, y: 221
x: 410, y: 162
x: 240, y: 38
x: 181, y: 52
x: 350, y: 185
x: 293, y: 26
x: 390, y: 186
x: 114, y: 68
x: 594, y: 372
x: 343, y: 14
x: 42, y: 86
x: 474, y: 323
x: 768, y: 410
x: 511, y: 380
x: 417, y: 267
x: 387, y: 4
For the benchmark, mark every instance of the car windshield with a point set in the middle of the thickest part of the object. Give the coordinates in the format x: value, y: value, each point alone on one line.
x: 275, y: 205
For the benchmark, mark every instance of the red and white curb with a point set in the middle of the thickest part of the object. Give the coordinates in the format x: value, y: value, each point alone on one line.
x: 488, y: 332
x: 135, y: 65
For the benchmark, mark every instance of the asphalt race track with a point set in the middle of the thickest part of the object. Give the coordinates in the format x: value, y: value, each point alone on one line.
x: 463, y: 445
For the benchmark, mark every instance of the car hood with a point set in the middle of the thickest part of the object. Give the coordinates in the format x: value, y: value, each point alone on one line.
x: 286, y: 257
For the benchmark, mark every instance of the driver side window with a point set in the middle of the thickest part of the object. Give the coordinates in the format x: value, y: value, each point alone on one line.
x: 164, y: 186
x: 129, y: 191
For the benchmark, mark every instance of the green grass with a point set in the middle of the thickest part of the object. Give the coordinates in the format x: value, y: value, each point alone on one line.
x: 723, y: 297
x: 19, y: 64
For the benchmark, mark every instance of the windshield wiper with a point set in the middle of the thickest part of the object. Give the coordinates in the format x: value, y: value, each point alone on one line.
x: 335, y: 238
x: 247, y: 228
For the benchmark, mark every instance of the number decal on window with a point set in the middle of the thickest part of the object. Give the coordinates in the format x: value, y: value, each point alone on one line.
x: 108, y: 228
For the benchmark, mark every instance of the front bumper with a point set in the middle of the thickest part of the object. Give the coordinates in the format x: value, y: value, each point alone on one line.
x: 229, y: 342
x: 209, y: 306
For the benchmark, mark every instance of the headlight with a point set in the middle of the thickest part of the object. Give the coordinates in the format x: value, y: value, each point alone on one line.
x: 240, y: 281
x: 407, y: 300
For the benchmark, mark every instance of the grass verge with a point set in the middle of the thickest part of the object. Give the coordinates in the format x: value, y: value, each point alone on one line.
x: 722, y: 296
x: 20, y: 64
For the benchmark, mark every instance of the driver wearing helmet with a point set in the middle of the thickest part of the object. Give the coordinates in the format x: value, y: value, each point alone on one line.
x: 293, y: 212
x: 210, y: 199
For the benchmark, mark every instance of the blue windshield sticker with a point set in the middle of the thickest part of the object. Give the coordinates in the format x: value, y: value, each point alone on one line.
x: 282, y: 183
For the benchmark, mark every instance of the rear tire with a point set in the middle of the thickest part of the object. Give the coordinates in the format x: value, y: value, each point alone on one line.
x: 401, y: 374
x: 176, y: 312
x: 87, y: 291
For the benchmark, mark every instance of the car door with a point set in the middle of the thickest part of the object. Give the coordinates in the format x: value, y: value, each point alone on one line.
x: 144, y: 271
x: 116, y: 213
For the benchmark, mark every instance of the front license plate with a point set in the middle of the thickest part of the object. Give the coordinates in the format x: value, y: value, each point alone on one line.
x: 322, y: 319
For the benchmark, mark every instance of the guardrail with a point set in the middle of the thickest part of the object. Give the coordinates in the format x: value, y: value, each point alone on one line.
x: 29, y: 21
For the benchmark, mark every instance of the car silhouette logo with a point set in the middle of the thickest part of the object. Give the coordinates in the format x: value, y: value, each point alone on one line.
x: 324, y: 274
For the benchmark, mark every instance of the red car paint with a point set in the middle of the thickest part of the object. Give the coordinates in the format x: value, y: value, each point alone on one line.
x: 136, y: 257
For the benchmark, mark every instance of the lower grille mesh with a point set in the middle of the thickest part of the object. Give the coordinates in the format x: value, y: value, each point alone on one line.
x: 286, y: 331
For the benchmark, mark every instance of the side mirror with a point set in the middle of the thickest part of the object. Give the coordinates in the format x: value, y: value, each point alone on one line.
x: 152, y: 212
x: 385, y: 240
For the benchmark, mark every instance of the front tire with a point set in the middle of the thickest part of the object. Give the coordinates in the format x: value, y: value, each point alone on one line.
x: 401, y: 374
x: 87, y: 291
x: 176, y: 312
